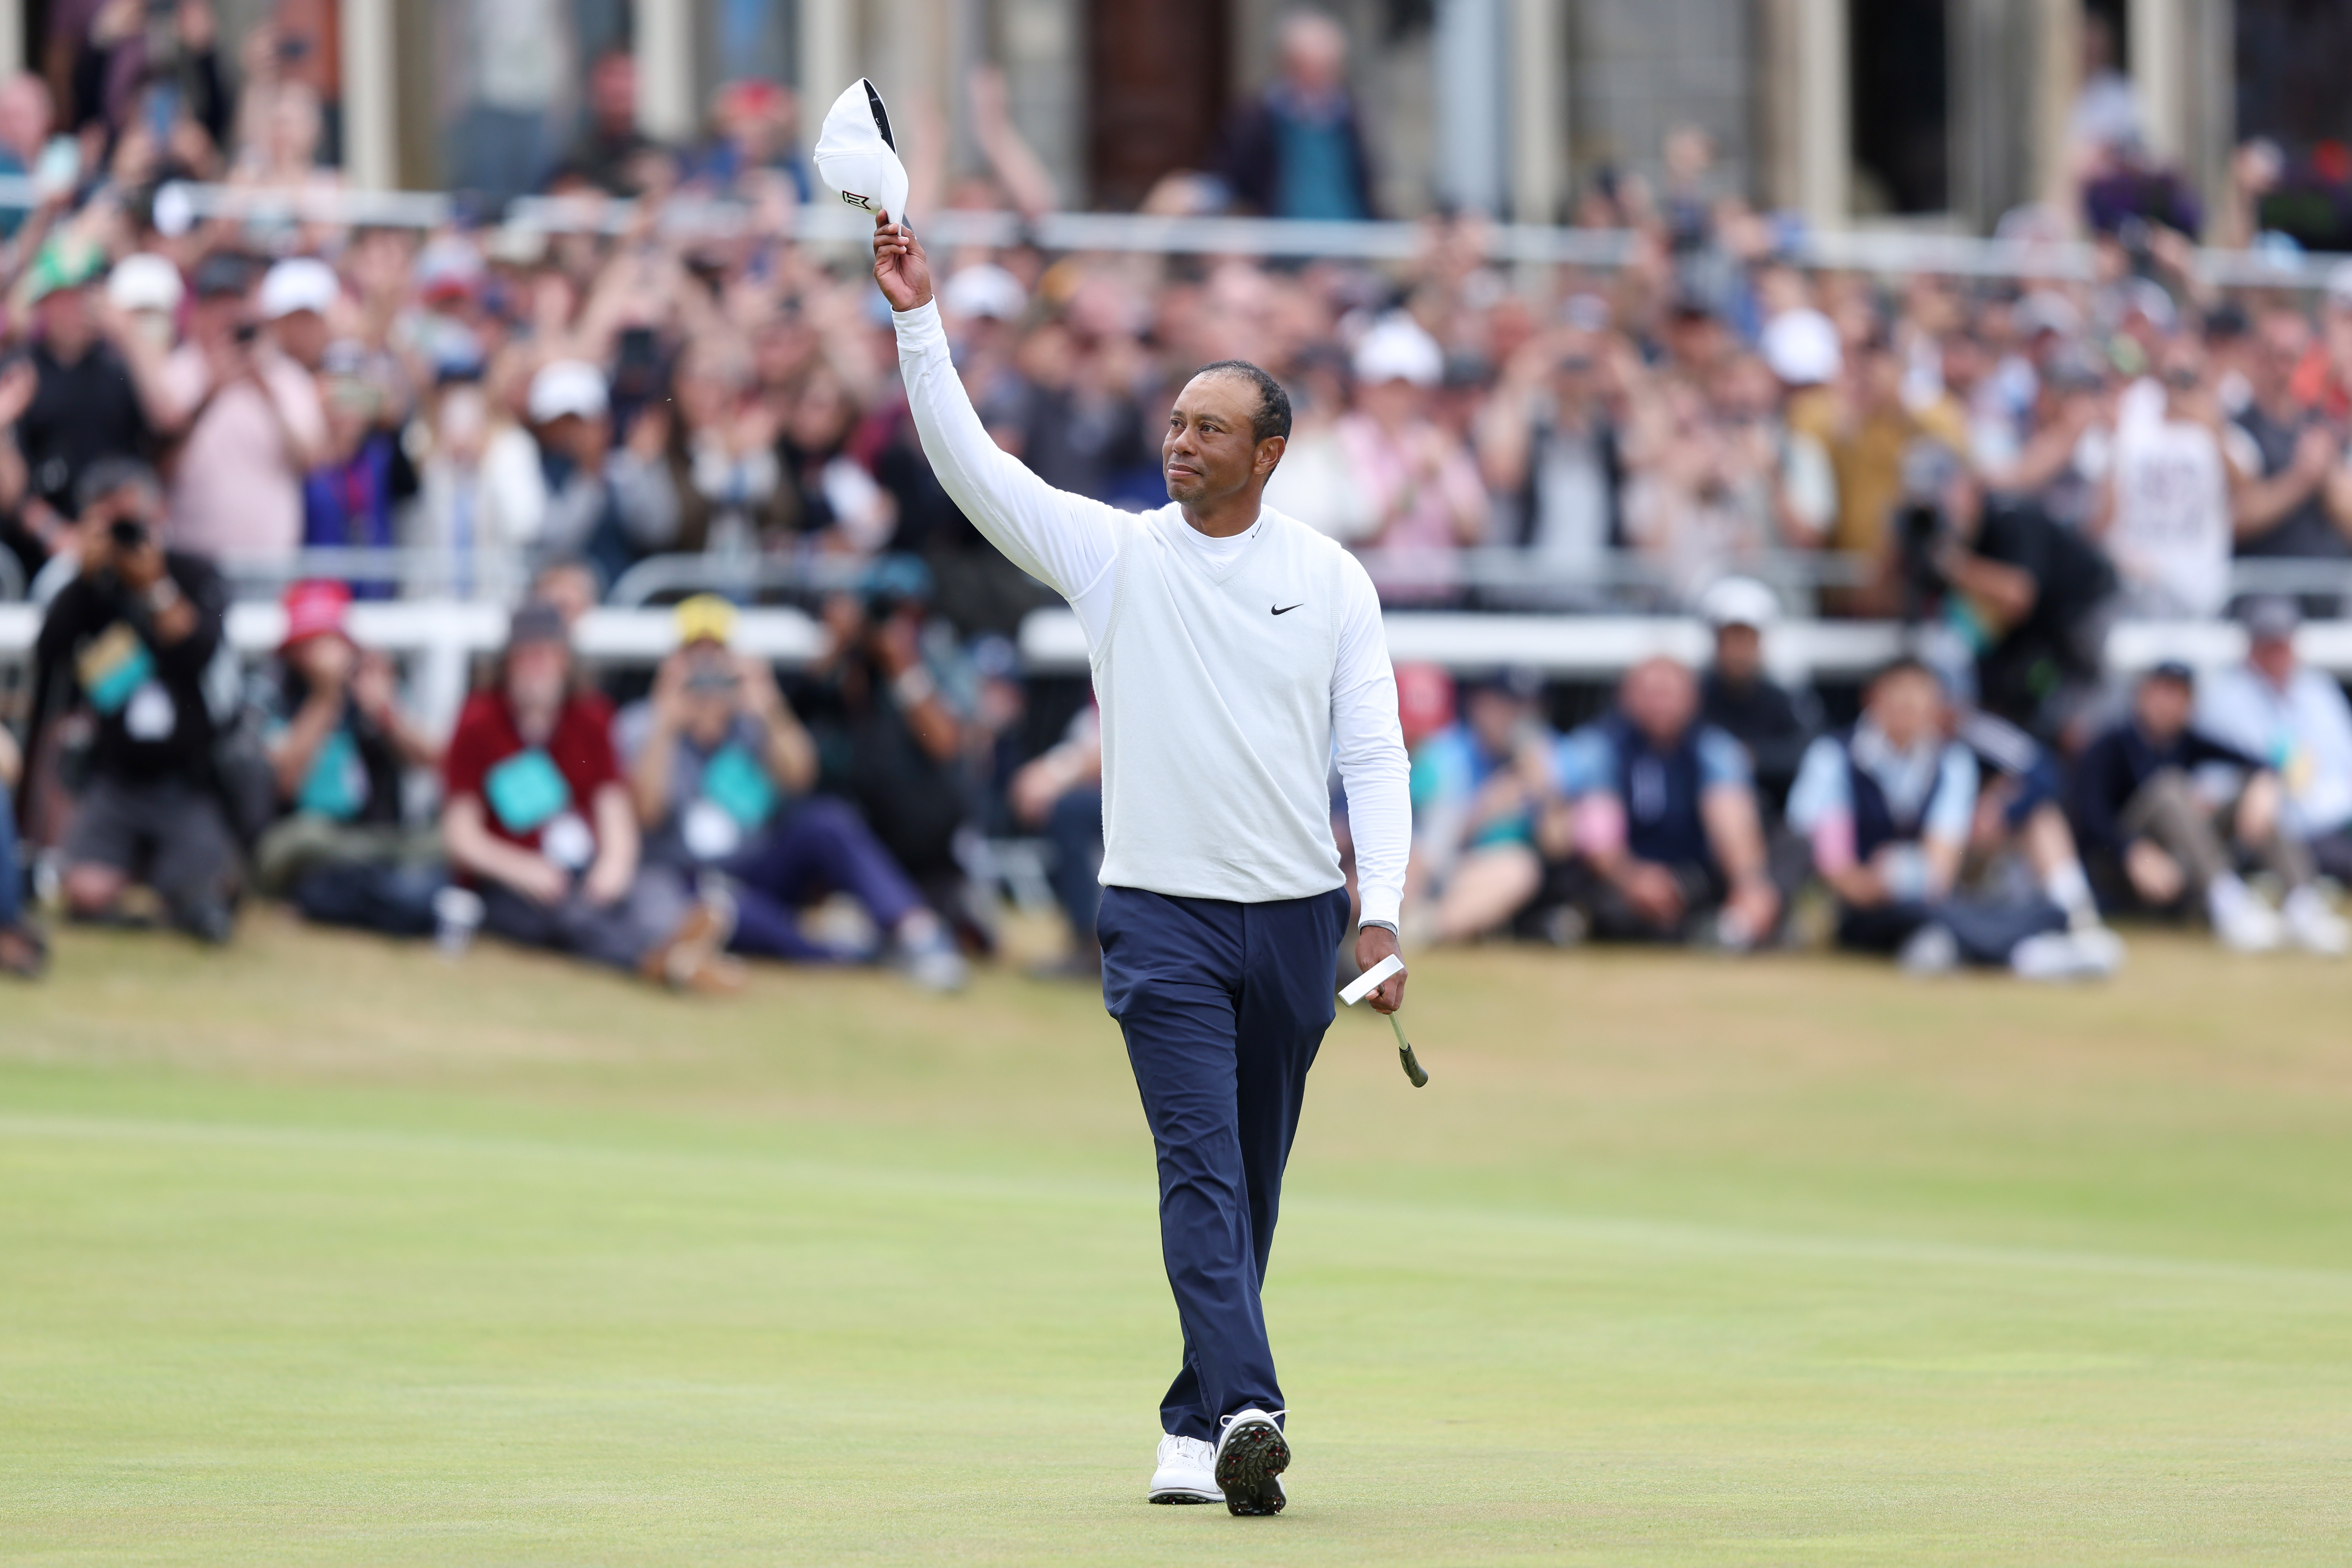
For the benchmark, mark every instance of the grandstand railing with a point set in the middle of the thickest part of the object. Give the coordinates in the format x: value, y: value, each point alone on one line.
x: 1866, y: 250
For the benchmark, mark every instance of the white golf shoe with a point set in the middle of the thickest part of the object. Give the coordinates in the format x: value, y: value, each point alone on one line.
x: 2312, y: 926
x: 1186, y: 1472
x: 1252, y: 1454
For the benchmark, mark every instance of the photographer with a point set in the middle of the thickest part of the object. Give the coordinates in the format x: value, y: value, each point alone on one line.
x: 2027, y: 598
x: 134, y: 633
x: 888, y: 737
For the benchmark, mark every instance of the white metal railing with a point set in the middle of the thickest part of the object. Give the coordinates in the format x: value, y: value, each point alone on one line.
x: 1882, y: 251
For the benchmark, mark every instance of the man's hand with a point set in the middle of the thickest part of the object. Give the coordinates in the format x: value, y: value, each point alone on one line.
x: 899, y: 265
x: 607, y: 879
x: 1373, y: 944
x: 538, y: 878
x: 1652, y: 889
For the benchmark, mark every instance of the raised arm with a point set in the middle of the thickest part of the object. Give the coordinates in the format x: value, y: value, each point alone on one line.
x: 1064, y: 540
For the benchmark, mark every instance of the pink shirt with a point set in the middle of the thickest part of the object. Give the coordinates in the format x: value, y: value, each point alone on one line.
x: 236, y: 489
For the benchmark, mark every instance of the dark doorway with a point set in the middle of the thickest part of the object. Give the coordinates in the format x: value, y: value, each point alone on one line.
x: 1902, y: 116
x: 2291, y: 57
x: 1155, y: 92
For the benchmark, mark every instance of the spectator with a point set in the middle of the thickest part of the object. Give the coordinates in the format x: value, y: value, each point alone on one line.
x: 1888, y: 806
x: 1416, y: 477
x: 481, y: 492
x: 720, y: 771
x: 610, y: 508
x: 2296, y: 720
x: 2019, y: 817
x: 99, y: 394
x: 2165, y: 517
x: 1477, y: 785
x: 2026, y: 599
x: 1866, y: 428
x: 2156, y: 834
x: 1297, y: 150
x: 23, y: 952
x: 2298, y: 503
x: 537, y: 816
x: 891, y: 740
x: 253, y: 427
x: 611, y: 154
x: 1549, y: 452
x: 338, y: 747
x: 135, y: 634
x: 349, y: 501
x: 1059, y: 794
x: 1659, y: 837
x: 295, y: 304
x: 1739, y: 696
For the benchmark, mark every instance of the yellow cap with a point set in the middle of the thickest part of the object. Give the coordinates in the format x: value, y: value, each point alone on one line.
x: 706, y: 618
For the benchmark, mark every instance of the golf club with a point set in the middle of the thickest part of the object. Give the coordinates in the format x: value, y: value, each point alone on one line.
x: 1363, y: 985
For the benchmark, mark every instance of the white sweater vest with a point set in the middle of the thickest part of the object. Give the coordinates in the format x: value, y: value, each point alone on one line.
x: 1215, y: 689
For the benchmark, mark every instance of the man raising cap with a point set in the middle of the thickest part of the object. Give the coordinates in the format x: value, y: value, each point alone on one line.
x: 1235, y: 651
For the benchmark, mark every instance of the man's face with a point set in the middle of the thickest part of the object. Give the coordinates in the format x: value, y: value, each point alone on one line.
x: 583, y: 440
x: 1495, y: 719
x: 1659, y: 699
x: 714, y: 690
x: 67, y: 325
x: 1739, y: 652
x: 2275, y: 657
x: 1907, y: 706
x: 2162, y: 706
x: 301, y: 336
x: 536, y: 673
x: 1211, y: 453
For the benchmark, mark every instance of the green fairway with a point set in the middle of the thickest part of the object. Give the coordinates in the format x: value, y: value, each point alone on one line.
x: 321, y: 1251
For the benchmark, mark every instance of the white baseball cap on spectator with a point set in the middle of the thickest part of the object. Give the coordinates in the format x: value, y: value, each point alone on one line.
x: 856, y: 155
x: 296, y: 284
x: 986, y: 289
x: 1399, y: 349
x: 145, y: 282
x: 2147, y: 297
x: 1800, y: 347
x: 1739, y: 602
x: 567, y: 386
x: 2046, y: 311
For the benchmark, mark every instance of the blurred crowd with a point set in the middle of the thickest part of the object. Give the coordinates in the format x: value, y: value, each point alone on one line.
x: 194, y: 406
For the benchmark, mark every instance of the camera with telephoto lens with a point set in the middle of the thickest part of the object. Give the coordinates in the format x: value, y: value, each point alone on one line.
x: 1923, y: 526
x: 128, y: 534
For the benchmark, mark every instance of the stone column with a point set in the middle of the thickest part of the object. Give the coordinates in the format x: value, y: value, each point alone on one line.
x: 1469, y: 63
x: 370, y: 57
x: 1539, y: 150
x: 1822, y: 113
x: 667, y: 108
x: 12, y: 36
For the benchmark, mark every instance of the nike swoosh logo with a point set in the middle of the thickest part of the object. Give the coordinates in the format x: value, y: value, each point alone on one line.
x: 1287, y: 609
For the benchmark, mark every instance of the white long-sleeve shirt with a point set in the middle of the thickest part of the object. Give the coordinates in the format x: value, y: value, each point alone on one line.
x: 1219, y: 716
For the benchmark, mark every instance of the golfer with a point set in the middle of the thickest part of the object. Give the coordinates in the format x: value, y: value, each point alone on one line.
x: 1235, y: 650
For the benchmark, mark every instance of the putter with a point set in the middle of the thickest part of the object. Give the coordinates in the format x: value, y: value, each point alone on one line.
x: 1363, y: 987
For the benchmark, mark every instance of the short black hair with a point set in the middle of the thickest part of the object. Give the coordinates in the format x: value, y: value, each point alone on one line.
x: 107, y: 475
x: 1272, y: 416
x: 1902, y: 664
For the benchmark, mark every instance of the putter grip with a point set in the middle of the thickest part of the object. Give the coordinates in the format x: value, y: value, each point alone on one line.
x: 1413, y: 1072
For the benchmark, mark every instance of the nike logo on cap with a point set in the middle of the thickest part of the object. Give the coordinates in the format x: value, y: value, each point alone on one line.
x: 1287, y: 609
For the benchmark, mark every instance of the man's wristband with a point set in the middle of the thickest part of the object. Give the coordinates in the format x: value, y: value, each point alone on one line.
x: 1388, y: 926
x: 914, y: 687
x: 163, y: 595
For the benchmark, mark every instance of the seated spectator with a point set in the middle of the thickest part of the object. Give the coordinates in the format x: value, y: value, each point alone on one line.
x: 133, y: 633
x: 890, y: 737
x: 1475, y: 787
x: 2296, y: 720
x: 23, y: 952
x: 253, y: 427
x: 1739, y: 696
x: 2019, y: 815
x: 1662, y: 840
x: 610, y: 508
x: 2027, y: 599
x: 2159, y: 836
x: 1888, y: 805
x: 719, y: 769
x: 338, y: 745
x: 1059, y: 794
x: 537, y: 816
x: 2166, y: 515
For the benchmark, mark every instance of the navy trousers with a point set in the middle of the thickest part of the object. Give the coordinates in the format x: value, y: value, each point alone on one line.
x: 1224, y: 1006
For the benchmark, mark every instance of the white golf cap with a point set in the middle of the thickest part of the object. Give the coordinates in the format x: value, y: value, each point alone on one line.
x: 296, y: 283
x: 1399, y: 349
x: 856, y: 155
x: 1739, y: 602
x: 984, y: 290
x: 145, y: 282
x: 1801, y: 347
x: 567, y: 386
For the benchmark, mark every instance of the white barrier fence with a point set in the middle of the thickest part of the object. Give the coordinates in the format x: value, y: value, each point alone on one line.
x: 439, y: 641
x: 1879, y: 251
